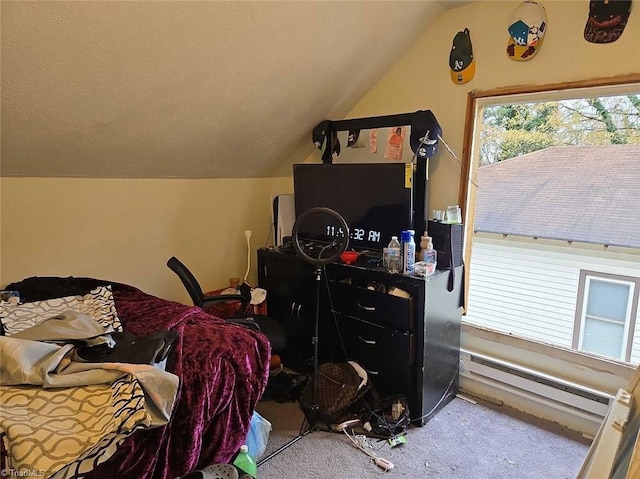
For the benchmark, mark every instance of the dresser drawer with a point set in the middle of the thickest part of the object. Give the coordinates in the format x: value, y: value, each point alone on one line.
x: 373, y: 306
x: 386, y: 354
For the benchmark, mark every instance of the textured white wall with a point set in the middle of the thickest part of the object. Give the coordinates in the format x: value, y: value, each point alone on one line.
x: 125, y: 230
x: 209, y: 89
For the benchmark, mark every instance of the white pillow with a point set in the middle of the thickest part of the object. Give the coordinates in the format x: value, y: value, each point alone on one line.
x: 98, y: 304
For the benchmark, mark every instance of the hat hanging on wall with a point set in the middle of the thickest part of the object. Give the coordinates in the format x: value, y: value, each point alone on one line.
x: 527, y: 27
x: 425, y: 131
x: 335, y: 144
x: 607, y: 19
x: 319, y: 134
x: 323, y: 136
x: 462, y: 66
x: 355, y: 140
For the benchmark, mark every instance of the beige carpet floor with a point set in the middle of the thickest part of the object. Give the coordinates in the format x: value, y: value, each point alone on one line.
x: 462, y: 441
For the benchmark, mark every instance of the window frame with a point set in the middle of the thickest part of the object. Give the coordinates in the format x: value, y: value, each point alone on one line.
x: 632, y: 309
x: 517, y: 94
x: 589, y: 371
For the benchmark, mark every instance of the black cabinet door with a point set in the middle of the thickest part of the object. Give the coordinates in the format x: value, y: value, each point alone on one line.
x: 291, y: 287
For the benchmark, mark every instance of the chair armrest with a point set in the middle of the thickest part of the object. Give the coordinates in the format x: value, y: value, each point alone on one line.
x: 226, y: 297
x: 209, y: 300
x: 246, y: 322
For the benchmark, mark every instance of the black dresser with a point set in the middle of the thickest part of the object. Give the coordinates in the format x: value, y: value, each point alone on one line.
x: 404, y: 330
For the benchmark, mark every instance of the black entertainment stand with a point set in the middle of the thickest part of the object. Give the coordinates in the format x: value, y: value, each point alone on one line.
x: 404, y: 330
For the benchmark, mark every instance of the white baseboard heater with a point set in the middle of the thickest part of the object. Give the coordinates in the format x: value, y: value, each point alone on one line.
x: 551, y: 391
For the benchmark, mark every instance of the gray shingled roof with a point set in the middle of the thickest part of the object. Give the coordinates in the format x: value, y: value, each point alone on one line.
x: 588, y: 194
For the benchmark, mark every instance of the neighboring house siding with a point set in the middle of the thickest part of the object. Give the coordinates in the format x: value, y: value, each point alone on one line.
x: 635, y: 351
x: 530, y: 289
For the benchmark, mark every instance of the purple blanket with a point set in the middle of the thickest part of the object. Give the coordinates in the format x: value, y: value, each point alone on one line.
x: 223, y: 370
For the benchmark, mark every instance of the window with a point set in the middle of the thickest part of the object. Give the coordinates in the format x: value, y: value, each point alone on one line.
x: 550, y: 176
x: 605, y: 320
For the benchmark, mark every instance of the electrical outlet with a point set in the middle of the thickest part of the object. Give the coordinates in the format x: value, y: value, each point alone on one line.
x: 247, y: 234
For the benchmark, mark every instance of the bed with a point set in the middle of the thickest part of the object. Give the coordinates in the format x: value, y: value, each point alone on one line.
x: 222, y: 369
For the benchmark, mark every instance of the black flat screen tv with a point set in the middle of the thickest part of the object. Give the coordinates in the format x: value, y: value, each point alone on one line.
x: 375, y: 199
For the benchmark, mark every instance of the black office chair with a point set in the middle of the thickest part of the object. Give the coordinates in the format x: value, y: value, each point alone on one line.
x: 270, y: 327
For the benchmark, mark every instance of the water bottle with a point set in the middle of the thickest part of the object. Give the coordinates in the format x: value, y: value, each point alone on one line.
x: 394, y: 255
x: 408, y: 251
x: 244, y: 463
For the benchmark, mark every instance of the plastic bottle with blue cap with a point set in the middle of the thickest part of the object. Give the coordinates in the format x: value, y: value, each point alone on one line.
x: 408, y: 251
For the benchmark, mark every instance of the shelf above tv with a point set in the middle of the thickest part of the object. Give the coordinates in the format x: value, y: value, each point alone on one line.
x: 326, y: 131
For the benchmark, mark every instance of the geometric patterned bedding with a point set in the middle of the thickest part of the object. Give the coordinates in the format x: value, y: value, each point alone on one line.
x: 66, y: 432
x: 223, y: 370
x: 98, y: 303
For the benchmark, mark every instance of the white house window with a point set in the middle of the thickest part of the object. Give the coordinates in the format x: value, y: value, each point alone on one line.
x: 605, y: 319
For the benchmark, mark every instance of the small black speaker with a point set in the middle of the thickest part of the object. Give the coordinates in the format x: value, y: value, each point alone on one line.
x: 447, y: 241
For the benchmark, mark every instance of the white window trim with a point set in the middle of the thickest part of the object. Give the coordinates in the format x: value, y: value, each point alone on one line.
x: 631, y: 313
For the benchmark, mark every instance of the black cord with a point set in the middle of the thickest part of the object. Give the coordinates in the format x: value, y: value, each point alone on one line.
x: 444, y: 395
x: 382, y: 419
x: 344, y: 350
x: 333, y: 313
x: 464, y: 169
x: 323, y: 249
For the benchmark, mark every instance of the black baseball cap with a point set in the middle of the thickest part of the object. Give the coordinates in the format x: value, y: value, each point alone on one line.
x: 607, y: 19
x: 425, y: 130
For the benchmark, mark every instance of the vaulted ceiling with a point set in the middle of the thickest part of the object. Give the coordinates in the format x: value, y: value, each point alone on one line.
x: 188, y: 89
